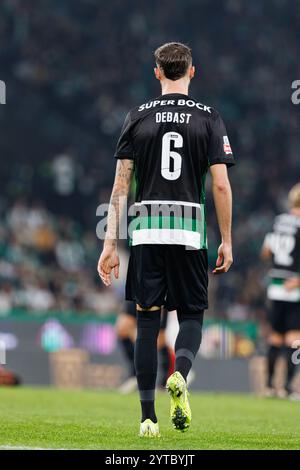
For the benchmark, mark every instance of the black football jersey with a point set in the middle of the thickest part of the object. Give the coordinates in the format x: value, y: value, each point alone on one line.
x: 284, y: 244
x: 173, y: 140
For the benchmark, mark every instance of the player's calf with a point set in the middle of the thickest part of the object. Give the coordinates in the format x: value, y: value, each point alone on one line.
x: 148, y: 323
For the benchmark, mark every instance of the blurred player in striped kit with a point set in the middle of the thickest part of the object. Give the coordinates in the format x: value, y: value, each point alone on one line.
x: 282, y: 247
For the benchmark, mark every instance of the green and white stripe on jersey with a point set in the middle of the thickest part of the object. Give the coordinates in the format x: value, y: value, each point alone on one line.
x: 277, y: 291
x: 169, y: 223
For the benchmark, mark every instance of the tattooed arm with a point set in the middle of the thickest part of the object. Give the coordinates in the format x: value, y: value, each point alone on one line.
x: 109, y: 259
x: 118, y: 198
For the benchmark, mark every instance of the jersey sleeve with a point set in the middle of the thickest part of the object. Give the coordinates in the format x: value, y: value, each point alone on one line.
x: 124, y: 148
x: 219, y: 149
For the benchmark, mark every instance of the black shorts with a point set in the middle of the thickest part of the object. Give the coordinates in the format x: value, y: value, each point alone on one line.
x: 284, y: 316
x: 168, y: 275
x: 129, y: 308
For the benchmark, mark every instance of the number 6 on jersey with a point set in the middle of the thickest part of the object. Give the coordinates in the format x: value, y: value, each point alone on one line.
x: 169, y: 156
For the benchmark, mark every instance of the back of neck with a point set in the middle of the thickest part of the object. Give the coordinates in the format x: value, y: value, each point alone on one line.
x: 171, y: 87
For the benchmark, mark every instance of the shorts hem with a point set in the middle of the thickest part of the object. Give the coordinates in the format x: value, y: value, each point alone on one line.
x: 170, y: 307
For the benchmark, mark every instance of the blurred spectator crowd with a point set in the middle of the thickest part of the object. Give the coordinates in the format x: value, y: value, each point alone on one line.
x: 48, y: 263
x: 72, y: 69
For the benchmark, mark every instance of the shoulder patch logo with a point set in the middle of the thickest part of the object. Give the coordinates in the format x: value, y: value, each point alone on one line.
x: 226, y: 145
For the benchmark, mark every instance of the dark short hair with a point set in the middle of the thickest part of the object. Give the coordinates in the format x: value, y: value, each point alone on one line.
x: 174, y: 59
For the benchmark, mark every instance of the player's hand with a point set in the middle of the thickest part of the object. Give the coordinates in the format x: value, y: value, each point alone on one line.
x: 292, y: 283
x: 224, y: 260
x: 108, y: 261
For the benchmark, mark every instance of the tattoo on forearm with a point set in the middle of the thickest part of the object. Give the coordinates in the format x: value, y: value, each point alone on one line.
x: 124, y: 172
x: 118, y: 198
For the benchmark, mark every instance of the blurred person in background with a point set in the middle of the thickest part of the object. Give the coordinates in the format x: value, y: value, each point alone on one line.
x: 282, y: 247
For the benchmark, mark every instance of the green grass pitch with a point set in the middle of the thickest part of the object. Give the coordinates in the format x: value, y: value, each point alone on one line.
x: 49, y: 418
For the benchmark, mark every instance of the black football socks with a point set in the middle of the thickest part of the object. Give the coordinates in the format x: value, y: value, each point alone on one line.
x: 128, y: 348
x: 145, y: 359
x: 272, y: 357
x: 165, y: 364
x: 188, y: 341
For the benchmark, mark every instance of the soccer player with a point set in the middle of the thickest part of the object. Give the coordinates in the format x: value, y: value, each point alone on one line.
x: 169, y: 143
x: 126, y: 331
x: 282, y: 246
